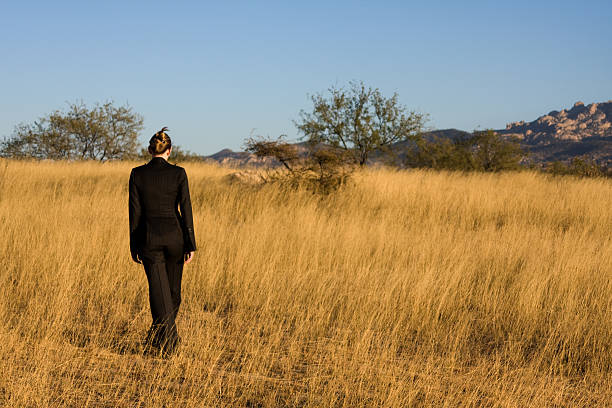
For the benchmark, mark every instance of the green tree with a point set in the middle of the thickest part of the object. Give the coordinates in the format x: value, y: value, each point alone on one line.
x: 104, y: 132
x: 581, y: 166
x: 479, y: 151
x: 439, y: 153
x: 359, y: 120
x: 494, y: 152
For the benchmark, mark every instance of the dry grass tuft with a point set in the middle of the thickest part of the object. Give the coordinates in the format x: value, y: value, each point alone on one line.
x: 402, y: 289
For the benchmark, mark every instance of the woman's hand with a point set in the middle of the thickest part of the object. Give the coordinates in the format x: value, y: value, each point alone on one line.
x: 188, y: 257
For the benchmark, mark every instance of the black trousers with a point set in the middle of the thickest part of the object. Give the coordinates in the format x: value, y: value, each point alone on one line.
x: 163, y: 264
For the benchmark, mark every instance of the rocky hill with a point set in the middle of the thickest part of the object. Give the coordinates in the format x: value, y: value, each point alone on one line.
x: 575, y: 124
x: 559, y: 135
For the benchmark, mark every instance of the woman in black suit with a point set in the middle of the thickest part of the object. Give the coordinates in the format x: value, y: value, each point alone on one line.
x: 161, y: 238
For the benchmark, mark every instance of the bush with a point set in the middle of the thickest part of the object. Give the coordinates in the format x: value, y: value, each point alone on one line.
x: 481, y: 151
x: 320, y: 168
x: 581, y: 166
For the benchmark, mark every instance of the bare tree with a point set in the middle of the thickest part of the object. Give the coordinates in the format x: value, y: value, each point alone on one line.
x: 322, y: 168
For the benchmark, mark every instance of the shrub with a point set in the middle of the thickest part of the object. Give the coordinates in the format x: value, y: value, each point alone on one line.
x: 318, y: 167
x: 481, y: 151
x: 581, y: 166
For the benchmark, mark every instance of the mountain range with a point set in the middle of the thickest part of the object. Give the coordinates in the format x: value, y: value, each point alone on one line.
x: 558, y: 135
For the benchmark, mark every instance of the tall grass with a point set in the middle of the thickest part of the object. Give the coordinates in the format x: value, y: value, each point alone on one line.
x: 404, y: 289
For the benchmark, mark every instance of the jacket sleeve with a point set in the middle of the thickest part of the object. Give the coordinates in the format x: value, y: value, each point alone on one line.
x: 135, y: 212
x: 186, y: 214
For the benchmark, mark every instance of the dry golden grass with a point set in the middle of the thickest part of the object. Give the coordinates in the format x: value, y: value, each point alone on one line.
x: 405, y: 289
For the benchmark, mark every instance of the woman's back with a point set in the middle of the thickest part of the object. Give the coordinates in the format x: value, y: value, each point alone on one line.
x: 158, y: 183
x: 157, y: 190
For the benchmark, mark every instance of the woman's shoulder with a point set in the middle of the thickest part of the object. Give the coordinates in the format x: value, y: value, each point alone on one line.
x: 138, y: 169
x: 142, y: 166
x: 177, y: 168
x: 147, y: 168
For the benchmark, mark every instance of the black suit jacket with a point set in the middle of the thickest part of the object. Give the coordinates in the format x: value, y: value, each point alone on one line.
x: 156, y: 192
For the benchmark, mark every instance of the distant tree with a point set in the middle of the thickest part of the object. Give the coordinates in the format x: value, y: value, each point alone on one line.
x: 480, y: 151
x: 556, y: 167
x: 581, y: 166
x: 494, y: 152
x: 439, y: 153
x: 359, y: 120
x: 104, y: 132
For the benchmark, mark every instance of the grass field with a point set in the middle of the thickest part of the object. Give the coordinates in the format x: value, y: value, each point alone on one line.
x: 405, y: 289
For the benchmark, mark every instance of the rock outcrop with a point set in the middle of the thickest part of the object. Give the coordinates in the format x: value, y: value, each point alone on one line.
x: 578, y: 123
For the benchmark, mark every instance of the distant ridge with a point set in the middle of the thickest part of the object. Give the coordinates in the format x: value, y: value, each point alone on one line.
x: 558, y: 135
x: 230, y: 158
x: 575, y: 124
x: 561, y: 135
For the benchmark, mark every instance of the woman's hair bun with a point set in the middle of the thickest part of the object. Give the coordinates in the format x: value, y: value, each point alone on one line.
x: 160, y: 142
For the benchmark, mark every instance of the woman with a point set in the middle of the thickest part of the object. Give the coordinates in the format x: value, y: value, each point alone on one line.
x: 161, y: 238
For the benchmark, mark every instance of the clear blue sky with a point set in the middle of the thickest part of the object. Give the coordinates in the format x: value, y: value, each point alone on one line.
x: 213, y: 71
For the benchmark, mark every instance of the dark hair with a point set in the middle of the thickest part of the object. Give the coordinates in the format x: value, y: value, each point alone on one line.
x: 160, y: 142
